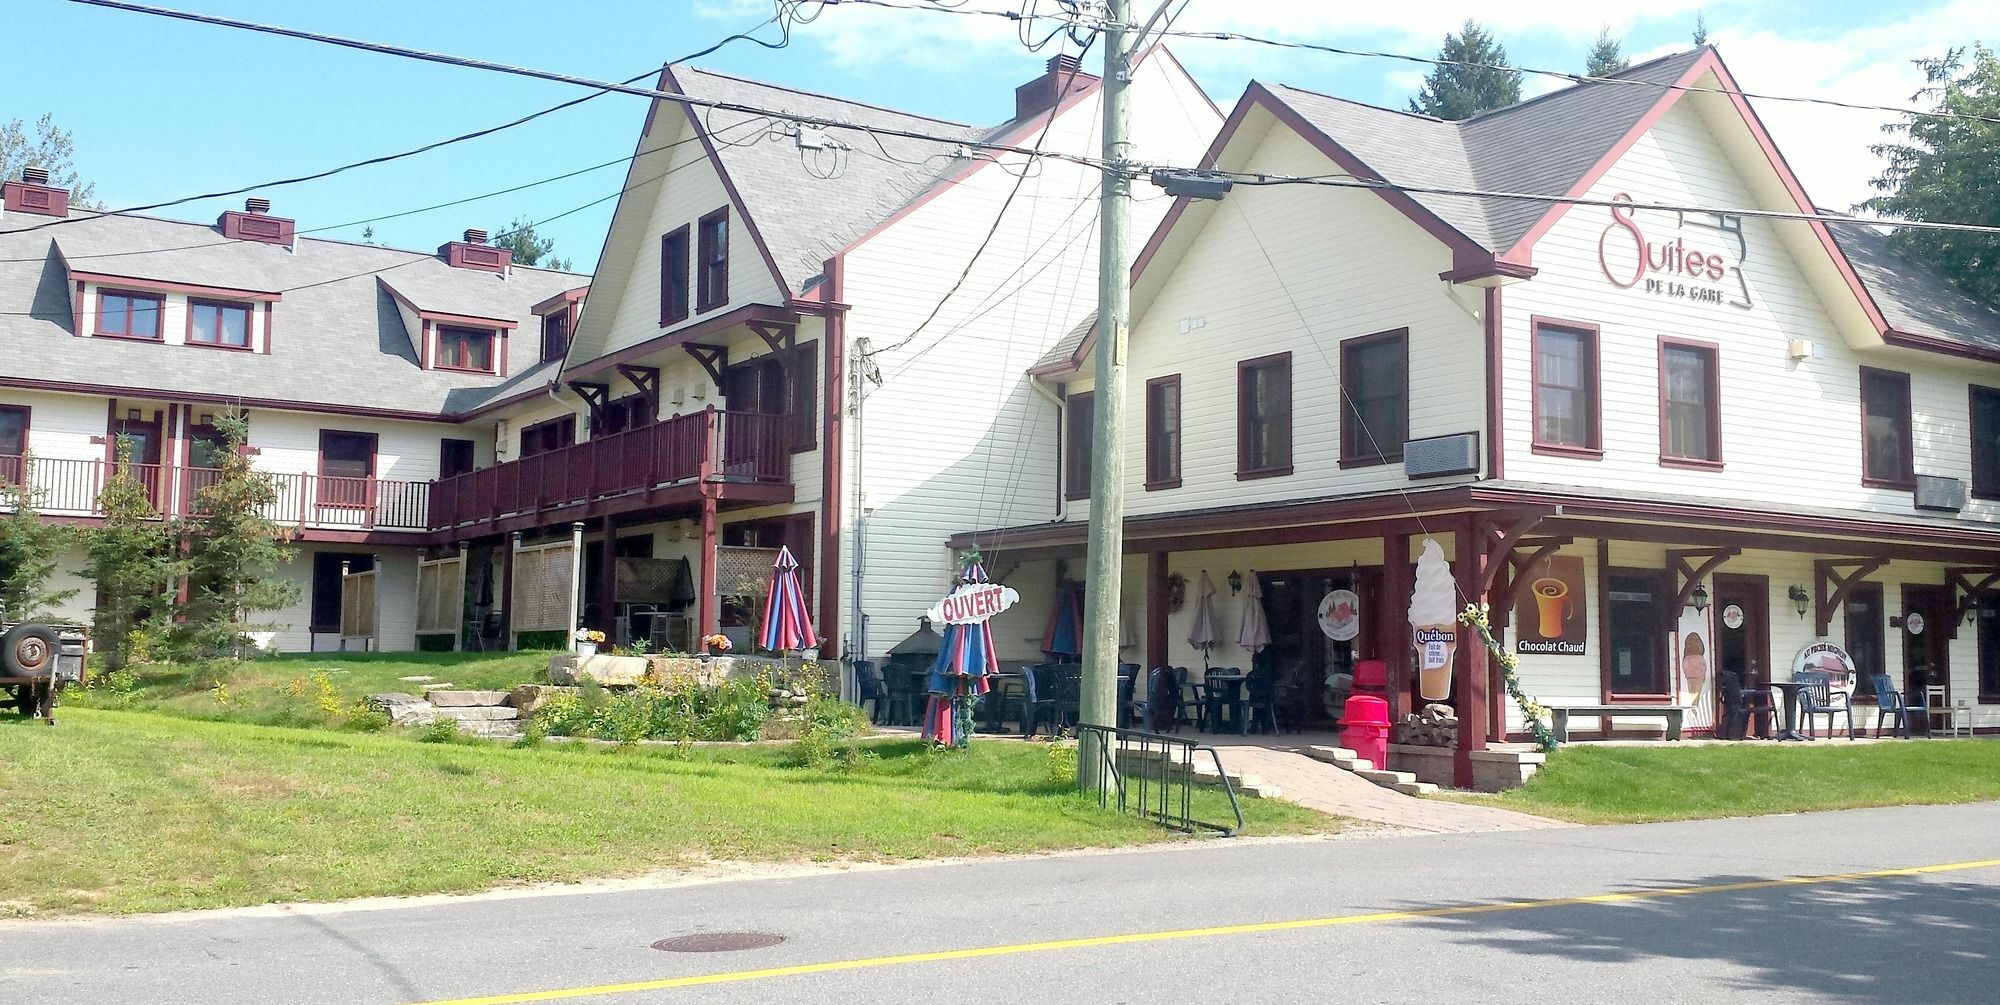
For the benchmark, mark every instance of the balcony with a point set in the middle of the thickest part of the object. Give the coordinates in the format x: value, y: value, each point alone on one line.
x: 69, y: 488
x: 743, y: 455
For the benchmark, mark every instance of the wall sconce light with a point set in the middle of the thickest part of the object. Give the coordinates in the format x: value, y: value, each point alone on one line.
x: 208, y: 418
x: 1700, y: 598
x: 1235, y: 583
x: 1800, y: 598
x: 131, y: 415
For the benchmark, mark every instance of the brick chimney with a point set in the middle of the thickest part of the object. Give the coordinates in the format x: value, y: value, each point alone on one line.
x: 255, y: 223
x: 1065, y: 77
x: 34, y: 194
x: 475, y: 253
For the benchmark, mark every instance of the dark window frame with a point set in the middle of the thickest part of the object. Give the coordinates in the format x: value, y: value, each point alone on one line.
x: 674, y: 282
x: 1163, y: 444
x: 1355, y: 450
x: 560, y: 431
x: 193, y: 330
x: 1868, y: 646
x: 329, y: 494
x: 441, y: 362
x: 130, y: 296
x: 555, y: 344
x: 1590, y: 372
x: 1077, y: 445
x: 1986, y: 618
x: 1985, y: 477
x: 1907, y: 478
x: 448, y: 448
x: 1245, y: 417
x: 712, y: 260
x: 1712, y: 405
x: 27, y: 414
x: 12, y: 465
x: 1655, y: 621
x: 802, y: 396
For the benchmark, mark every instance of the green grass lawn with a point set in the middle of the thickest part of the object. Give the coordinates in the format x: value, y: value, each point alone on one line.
x: 1593, y: 784
x: 121, y: 811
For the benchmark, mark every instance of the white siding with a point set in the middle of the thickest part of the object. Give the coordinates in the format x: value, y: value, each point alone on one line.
x: 174, y: 316
x: 288, y: 443
x: 61, y: 426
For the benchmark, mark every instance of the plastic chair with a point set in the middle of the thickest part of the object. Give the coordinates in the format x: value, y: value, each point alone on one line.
x: 869, y: 692
x: 1261, y: 715
x: 1739, y: 704
x: 1187, y: 699
x: 1937, y: 701
x: 1961, y: 709
x: 1889, y: 702
x: 1222, y: 692
x: 1157, y: 711
x: 1818, y: 698
x: 1038, y: 700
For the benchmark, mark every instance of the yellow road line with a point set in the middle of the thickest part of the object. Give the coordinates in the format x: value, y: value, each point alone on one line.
x: 872, y: 962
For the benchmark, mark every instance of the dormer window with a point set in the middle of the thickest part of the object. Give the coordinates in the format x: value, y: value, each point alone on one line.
x: 712, y: 290
x: 555, y: 335
x: 465, y: 348
x: 219, y: 324
x: 129, y: 315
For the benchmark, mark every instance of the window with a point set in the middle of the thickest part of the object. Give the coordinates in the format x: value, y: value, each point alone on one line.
x: 1163, y: 432
x: 555, y: 335
x: 804, y: 396
x: 1079, y: 422
x: 1374, y: 398
x: 346, y: 468
x: 1864, y: 618
x: 629, y: 412
x: 1987, y: 611
x: 553, y: 434
x: 465, y: 348
x: 674, y: 276
x: 1690, y: 405
x: 1885, y: 432
x: 129, y: 315
x: 13, y: 443
x: 455, y: 457
x: 1566, y: 390
x: 1635, y: 633
x: 207, y: 447
x: 219, y: 324
x: 1986, y: 442
x: 1264, y: 416
x: 714, y: 262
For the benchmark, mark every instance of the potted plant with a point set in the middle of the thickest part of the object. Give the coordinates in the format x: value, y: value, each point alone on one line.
x: 713, y: 644
x: 587, y: 641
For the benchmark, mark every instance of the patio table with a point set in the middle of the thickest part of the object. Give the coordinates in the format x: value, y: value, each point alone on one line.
x: 1233, y: 700
x: 1791, y: 689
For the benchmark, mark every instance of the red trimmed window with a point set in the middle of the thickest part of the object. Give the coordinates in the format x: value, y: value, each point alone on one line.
x: 1885, y: 432
x: 1079, y: 419
x: 1374, y: 398
x: 1566, y: 390
x: 465, y: 348
x: 1163, y: 432
x: 1986, y: 442
x: 455, y: 457
x: 553, y: 434
x: 1264, y: 416
x: 218, y: 323
x: 346, y: 468
x: 13, y: 442
x: 555, y: 335
x: 129, y: 315
x: 674, y: 276
x: 713, y: 287
x: 1690, y: 404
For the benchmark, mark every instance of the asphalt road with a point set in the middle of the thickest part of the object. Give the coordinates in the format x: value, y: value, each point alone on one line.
x: 1682, y: 913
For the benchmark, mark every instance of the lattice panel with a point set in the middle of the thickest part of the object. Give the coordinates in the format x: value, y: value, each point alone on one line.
x: 357, y: 605
x: 660, y: 581
x: 440, y: 596
x: 744, y: 572
x: 542, y: 583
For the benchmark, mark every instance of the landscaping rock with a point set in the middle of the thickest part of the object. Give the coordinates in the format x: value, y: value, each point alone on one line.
x: 464, y: 699
x: 389, y: 700
x: 420, y: 678
x: 478, y: 713
x: 607, y: 671
x: 531, y: 697
x: 428, y: 688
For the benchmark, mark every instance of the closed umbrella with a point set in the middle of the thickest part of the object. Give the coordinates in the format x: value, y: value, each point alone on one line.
x: 787, y: 626
x: 962, y: 673
x: 1064, y: 636
x: 1202, y: 634
x: 1255, y: 632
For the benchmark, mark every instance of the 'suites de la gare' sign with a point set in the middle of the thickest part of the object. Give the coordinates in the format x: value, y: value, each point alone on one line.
x: 1699, y: 268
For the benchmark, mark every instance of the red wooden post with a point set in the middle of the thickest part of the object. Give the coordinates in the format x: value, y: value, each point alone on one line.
x: 1156, y: 616
x: 708, y: 613
x: 1469, y: 684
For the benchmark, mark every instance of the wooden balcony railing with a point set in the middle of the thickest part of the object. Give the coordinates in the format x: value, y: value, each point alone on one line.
x: 69, y: 487
x: 710, y: 445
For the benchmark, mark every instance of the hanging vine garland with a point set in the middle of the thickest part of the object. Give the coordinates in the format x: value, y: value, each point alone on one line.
x: 1533, y: 712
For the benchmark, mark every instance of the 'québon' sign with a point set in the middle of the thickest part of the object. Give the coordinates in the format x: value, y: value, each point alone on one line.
x: 972, y: 603
x: 1701, y: 262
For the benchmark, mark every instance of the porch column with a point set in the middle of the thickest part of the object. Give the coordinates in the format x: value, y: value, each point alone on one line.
x: 459, y: 602
x: 507, y: 587
x: 1156, y: 614
x: 708, y: 616
x: 1469, y: 676
x: 607, y: 579
x: 1393, y: 617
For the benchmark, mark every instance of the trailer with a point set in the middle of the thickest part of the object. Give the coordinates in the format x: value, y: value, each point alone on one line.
x: 37, y: 661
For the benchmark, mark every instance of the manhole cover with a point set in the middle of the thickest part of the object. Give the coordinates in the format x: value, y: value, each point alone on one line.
x: 718, y: 942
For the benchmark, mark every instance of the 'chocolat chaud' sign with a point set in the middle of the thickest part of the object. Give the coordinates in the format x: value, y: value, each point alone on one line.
x: 1695, y: 260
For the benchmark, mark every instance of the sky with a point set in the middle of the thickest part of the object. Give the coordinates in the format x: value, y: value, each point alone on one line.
x: 164, y: 109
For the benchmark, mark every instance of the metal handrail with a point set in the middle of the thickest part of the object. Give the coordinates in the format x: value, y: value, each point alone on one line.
x: 1165, y: 765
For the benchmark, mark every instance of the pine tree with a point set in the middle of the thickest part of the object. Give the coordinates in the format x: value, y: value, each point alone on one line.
x: 1700, y: 28
x: 30, y: 549
x: 1605, y: 59
x: 528, y: 247
x: 1456, y: 89
x: 1949, y: 169
x: 129, y: 557
x: 231, y: 551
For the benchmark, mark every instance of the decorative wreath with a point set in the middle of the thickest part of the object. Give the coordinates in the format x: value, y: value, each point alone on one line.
x: 1176, y: 591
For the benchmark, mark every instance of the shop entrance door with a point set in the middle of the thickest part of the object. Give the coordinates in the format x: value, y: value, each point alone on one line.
x: 1926, y: 654
x: 1301, y: 653
x: 1744, y: 647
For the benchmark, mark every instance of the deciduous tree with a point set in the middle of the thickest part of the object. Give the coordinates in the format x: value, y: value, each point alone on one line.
x: 50, y: 148
x: 1948, y: 169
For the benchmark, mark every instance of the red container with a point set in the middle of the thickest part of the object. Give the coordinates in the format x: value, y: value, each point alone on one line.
x: 1365, y: 727
x: 1371, y: 676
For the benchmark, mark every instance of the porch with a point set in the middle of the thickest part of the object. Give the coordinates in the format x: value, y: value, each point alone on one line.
x: 69, y: 488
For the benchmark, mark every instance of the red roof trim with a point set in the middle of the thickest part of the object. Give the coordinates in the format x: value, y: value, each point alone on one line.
x: 158, y: 286
x: 469, y: 320
x: 563, y: 299
x: 685, y: 333
x: 1931, y: 343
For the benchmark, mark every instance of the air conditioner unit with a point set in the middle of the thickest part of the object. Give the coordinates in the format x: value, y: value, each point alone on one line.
x: 1435, y: 456
x: 1936, y: 492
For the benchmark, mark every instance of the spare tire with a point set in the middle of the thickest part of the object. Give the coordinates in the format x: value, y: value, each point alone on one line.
x: 28, y: 650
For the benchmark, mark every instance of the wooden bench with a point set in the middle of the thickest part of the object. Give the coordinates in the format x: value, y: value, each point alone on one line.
x: 1559, y: 716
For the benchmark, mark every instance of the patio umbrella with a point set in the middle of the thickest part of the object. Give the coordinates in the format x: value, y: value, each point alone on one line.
x: 962, y: 674
x: 1064, y: 636
x: 1202, y: 634
x: 1255, y: 632
x: 787, y: 626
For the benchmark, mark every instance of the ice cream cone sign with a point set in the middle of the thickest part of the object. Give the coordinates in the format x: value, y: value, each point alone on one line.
x: 1434, y: 622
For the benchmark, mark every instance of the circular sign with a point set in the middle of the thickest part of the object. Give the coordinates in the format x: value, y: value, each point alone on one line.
x: 1340, y: 615
x: 1914, y: 623
x: 1824, y: 658
x: 1732, y: 617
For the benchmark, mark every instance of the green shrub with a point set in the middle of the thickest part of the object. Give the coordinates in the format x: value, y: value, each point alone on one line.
x: 366, y: 718
x: 1060, y: 766
x: 441, y: 731
x: 435, y: 643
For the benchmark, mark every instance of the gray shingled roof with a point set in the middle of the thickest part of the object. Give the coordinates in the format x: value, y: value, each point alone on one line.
x: 809, y: 204
x: 1913, y: 297
x: 1540, y: 146
x: 338, y: 339
x: 1063, y: 353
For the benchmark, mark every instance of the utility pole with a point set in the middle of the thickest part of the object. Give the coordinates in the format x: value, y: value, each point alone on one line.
x: 1103, y: 565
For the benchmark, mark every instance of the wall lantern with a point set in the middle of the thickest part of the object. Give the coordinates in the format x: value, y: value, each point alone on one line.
x: 1800, y: 599
x: 1700, y: 598
x: 1235, y: 583
x: 132, y: 415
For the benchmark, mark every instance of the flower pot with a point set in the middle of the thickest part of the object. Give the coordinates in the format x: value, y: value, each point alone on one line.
x: 585, y: 650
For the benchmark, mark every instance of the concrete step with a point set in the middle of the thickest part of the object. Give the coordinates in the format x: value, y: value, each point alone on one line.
x: 1389, y: 779
x: 1262, y: 790
x: 469, y: 699
x: 480, y: 713
x: 1414, y: 788
x: 1339, y: 757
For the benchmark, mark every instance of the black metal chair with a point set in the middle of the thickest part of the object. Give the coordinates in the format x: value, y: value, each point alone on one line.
x: 1038, y: 699
x: 1261, y: 711
x: 869, y: 692
x: 1889, y: 702
x: 1068, y: 689
x: 1739, y: 705
x: 1222, y: 692
x: 1819, y: 698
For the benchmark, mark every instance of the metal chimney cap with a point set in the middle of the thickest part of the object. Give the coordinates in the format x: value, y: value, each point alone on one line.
x: 257, y: 204
x: 35, y: 175
x: 474, y: 235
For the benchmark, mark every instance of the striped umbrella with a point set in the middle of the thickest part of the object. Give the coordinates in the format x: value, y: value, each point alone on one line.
x: 961, y: 676
x: 787, y: 626
x: 1202, y: 634
x: 1064, y: 636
